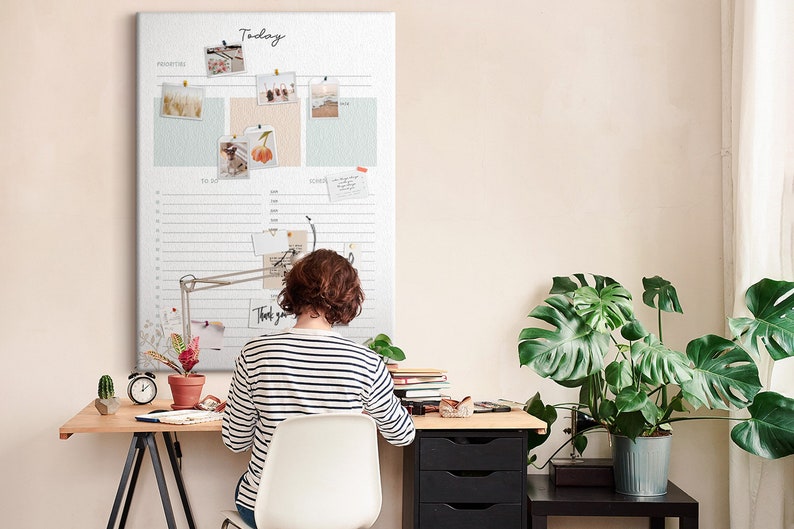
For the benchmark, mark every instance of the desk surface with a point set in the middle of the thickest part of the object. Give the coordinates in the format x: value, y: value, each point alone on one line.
x: 88, y: 420
x: 546, y: 499
x: 513, y: 420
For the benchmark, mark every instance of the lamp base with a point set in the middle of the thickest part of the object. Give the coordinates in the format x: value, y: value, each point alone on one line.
x: 581, y: 472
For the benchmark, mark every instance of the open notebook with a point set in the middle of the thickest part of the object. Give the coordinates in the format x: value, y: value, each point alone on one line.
x: 180, y: 416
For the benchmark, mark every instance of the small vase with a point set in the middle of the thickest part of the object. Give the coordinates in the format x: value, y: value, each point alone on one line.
x: 186, y: 390
x: 107, y: 406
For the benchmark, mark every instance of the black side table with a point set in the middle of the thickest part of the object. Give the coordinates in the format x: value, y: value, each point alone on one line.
x: 544, y: 499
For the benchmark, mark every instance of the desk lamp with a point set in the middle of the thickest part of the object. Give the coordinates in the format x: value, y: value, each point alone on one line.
x: 190, y: 283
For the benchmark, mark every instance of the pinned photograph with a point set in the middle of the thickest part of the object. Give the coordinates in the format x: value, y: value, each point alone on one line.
x: 276, y: 88
x: 262, y: 140
x: 324, y: 95
x: 232, y: 158
x: 182, y: 101
x: 224, y: 60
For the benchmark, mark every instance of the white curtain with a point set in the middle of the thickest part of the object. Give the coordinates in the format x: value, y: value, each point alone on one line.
x: 758, y: 50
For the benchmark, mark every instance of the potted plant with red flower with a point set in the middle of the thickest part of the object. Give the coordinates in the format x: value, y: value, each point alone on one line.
x: 185, y: 386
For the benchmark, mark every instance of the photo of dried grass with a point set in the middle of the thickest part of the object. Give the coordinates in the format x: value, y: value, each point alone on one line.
x: 180, y: 101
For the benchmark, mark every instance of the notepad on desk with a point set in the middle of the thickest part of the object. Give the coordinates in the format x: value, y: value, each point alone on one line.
x: 180, y: 416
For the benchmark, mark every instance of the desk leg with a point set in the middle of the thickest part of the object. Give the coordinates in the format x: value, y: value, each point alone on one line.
x: 135, y: 455
x: 158, y: 473
x: 686, y: 522
x: 141, y: 448
x: 538, y: 522
x: 656, y: 523
x: 169, y: 445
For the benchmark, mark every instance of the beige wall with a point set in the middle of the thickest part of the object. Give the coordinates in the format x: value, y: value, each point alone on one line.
x: 535, y: 138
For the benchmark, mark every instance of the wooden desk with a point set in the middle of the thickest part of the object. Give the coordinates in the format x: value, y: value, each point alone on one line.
x: 88, y: 420
x: 493, y: 442
x: 468, y: 473
x: 547, y: 500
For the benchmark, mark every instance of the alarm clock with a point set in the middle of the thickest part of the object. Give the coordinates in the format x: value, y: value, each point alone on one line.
x: 142, y: 389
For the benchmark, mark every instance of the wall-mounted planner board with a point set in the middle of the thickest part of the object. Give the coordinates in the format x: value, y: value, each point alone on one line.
x: 261, y: 136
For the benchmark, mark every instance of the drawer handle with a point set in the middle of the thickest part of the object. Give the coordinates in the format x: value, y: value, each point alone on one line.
x: 470, y: 473
x: 471, y: 440
x: 470, y: 506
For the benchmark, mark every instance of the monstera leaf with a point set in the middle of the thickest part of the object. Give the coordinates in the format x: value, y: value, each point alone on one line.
x: 618, y: 375
x: 606, y: 309
x: 658, y: 364
x: 724, y: 374
x: 657, y: 288
x: 772, y: 305
x: 548, y: 414
x: 770, y: 431
x: 566, y: 285
x: 571, y: 351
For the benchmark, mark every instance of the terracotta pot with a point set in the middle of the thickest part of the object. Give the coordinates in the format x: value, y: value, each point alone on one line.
x: 186, y: 390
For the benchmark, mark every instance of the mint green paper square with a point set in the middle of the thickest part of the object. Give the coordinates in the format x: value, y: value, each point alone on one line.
x: 350, y: 139
x: 188, y: 142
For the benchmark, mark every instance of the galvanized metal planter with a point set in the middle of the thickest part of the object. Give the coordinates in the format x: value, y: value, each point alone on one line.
x: 641, y: 465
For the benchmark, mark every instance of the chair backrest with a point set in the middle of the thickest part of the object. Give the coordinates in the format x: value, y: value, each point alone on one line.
x: 321, y: 472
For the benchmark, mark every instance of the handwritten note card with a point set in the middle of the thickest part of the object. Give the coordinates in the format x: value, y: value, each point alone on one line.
x: 349, y: 185
x: 266, y: 314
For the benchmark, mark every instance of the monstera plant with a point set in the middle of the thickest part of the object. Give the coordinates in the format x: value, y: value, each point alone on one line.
x: 634, y: 385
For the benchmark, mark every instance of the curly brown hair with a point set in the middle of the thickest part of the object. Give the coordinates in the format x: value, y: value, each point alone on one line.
x: 325, y: 282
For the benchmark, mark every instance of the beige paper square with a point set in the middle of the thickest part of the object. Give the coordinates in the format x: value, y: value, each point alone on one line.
x: 285, y: 120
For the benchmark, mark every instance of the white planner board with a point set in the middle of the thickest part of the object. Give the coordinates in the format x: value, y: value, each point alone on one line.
x: 217, y: 195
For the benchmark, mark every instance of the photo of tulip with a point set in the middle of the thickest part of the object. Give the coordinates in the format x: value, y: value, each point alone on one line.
x: 262, y: 139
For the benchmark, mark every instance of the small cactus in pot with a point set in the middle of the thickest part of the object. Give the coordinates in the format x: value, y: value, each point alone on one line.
x: 107, y: 403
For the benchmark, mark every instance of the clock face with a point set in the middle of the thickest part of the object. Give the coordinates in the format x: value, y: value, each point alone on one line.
x: 142, y: 390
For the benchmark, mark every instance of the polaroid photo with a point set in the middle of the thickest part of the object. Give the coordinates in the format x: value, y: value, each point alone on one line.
x: 324, y: 96
x: 262, y: 140
x: 276, y: 88
x: 227, y: 59
x: 182, y: 101
x: 233, y: 158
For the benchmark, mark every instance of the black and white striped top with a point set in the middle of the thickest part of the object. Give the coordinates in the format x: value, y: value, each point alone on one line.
x: 302, y: 371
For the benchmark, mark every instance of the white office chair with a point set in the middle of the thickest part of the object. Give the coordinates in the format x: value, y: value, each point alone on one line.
x: 321, y: 472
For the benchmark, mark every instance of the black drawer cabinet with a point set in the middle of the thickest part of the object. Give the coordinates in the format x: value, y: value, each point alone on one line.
x: 465, y: 479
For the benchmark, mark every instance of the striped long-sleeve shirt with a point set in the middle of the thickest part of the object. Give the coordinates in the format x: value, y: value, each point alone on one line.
x: 302, y: 371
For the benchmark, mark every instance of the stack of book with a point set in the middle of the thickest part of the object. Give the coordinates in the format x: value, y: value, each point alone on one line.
x: 417, y: 384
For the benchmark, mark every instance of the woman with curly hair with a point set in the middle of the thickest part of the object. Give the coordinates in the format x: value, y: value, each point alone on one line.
x: 309, y: 368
